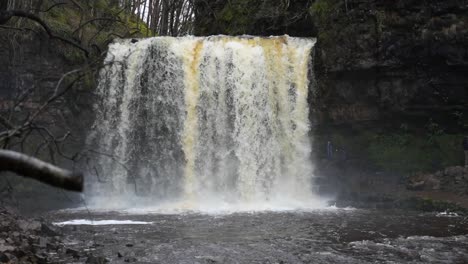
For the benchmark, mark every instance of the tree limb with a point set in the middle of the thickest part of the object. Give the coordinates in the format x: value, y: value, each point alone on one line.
x: 30, y: 167
x: 5, y: 16
x: 6, y: 123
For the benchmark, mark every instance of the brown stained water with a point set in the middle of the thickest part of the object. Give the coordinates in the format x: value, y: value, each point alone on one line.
x: 322, y: 236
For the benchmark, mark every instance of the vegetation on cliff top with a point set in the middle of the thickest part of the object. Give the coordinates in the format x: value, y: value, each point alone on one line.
x: 94, y: 26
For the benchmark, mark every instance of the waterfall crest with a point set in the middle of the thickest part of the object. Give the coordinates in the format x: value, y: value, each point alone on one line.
x: 216, y: 120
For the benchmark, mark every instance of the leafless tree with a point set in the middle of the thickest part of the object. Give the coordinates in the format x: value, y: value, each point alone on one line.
x: 30, y: 120
x: 163, y: 17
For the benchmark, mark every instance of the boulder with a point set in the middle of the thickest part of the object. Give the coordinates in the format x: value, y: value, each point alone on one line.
x: 451, y: 179
x: 26, y: 225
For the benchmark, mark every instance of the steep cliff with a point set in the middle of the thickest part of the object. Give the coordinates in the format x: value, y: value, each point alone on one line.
x: 373, y: 58
x: 391, y: 93
x: 377, y: 58
x: 392, y: 86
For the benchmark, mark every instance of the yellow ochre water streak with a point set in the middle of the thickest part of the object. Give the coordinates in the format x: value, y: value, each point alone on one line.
x: 190, y: 134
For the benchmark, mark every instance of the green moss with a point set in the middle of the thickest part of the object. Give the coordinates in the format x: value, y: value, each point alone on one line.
x: 236, y: 16
x: 65, y: 20
x: 137, y: 25
x: 402, y: 150
x: 322, y: 9
x: 406, y: 153
x: 62, y: 20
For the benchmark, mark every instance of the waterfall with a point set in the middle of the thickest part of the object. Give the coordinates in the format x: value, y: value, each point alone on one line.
x: 204, y: 120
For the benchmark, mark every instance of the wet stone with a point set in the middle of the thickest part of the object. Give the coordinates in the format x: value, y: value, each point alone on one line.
x: 72, y: 252
x: 52, y: 247
x: 5, y: 248
x: 47, y: 230
x: 6, y: 257
x: 96, y: 260
x: 29, y: 225
x: 42, y: 242
x: 130, y: 259
x: 40, y: 258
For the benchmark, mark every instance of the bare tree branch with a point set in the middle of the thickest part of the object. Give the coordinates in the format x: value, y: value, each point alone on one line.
x: 5, y: 16
x: 30, y: 167
x: 6, y: 123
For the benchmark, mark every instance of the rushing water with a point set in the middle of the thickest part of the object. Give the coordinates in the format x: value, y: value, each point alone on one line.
x: 207, y: 122
x: 321, y: 236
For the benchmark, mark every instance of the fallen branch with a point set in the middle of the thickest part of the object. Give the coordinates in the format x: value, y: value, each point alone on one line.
x: 31, y: 167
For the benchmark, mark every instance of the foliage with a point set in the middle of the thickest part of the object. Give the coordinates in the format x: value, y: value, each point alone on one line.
x: 321, y: 9
x: 92, y: 26
x: 236, y: 16
x: 405, y: 149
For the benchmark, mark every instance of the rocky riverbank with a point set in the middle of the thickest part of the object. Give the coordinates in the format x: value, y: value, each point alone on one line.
x: 453, y: 179
x: 28, y: 240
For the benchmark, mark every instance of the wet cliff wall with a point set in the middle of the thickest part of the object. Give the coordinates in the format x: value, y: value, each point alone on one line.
x: 377, y: 58
x: 254, y: 17
x: 392, y: 86
x: 392, y: 92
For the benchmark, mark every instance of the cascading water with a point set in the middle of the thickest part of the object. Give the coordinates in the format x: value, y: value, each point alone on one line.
x: 209, y: 122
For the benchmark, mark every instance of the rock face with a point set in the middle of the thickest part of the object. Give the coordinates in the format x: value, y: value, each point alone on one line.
x: 453, y: 179
x: 394, y: 74
x: 254, y: 17
x: 377, y: 58
x: 391, y: 78
x: 374, y: 58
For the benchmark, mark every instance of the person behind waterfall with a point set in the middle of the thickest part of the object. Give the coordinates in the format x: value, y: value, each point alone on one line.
x: 465, y: 148
x: 329, y: 150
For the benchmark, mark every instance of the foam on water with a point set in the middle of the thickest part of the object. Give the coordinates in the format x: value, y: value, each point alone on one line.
x: 101, y: 222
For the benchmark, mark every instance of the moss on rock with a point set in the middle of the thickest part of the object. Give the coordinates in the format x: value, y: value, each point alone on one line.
x: 391, y: 148
x: 254, y: 17
x: 91, y: 25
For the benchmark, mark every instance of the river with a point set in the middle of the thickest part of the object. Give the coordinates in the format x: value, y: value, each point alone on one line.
x: 318, y: 236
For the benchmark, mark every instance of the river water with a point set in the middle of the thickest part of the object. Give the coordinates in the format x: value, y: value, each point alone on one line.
x: 319, y: 236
